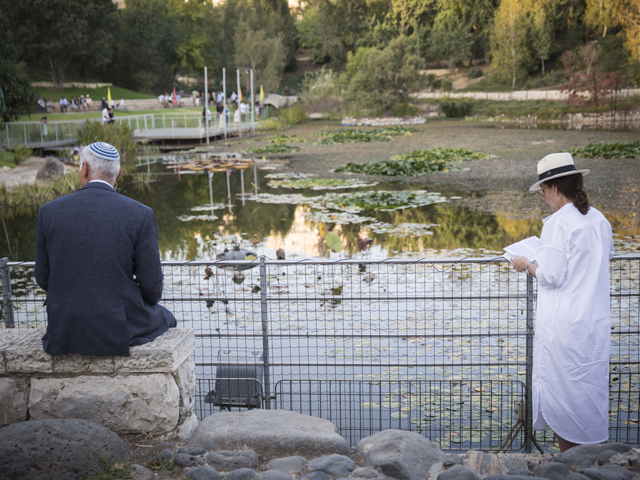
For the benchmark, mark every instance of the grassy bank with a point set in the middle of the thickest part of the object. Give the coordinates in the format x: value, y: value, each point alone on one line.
x: 57, y: 117
x: 543, y: 109
x: 96, y: 93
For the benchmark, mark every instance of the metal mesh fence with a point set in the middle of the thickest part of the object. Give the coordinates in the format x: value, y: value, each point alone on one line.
x: 438, y: 347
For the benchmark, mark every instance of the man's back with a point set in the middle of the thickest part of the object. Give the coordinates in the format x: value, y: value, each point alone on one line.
x: 90, y: 246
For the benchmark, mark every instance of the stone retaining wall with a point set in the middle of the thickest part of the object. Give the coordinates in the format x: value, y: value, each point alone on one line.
x: 151, y: 391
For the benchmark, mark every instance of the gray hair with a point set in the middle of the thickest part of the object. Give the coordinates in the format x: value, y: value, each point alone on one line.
x: 100, y: 168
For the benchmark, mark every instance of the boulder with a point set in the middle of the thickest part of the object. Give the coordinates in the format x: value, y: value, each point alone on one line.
x: 317, y: 476
x: 458, y: 472
x: 608, y: 472
x: 14, y: 396
x: 365, y: 472
x: 605, y: 457
x: 203, y: 473
x: 192, y: 450
x: 552, y: 471
x: 400, y: 454
x: 186, y: 460
x: 521, y: 473
x: 507, y: 477
x: 274, y: 475
x: 26, y: 449
x: 576, y: 476
x: 261, y: 431
x: 514, y: 463
x: 451, y: 460
x: 128, y: 404
x: 140, y: 471
x: 291, y: 465
x: 587, y: 455
x: 52, y: 168
x: 334, y: 465
x: 227, y: 460
x: 483, y: 463
x: 242, y: 474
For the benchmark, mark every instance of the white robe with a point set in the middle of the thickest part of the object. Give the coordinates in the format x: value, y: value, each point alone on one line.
x: 573, y: 326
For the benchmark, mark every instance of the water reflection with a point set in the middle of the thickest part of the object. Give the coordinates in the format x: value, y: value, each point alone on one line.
x: 452, y: 230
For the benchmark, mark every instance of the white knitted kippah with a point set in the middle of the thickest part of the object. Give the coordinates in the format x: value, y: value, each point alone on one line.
x: 104, y: 150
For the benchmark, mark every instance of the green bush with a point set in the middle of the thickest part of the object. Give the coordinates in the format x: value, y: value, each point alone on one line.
x: 117, y: 134
x: 456, y: 109
x: 447, y: 84
x: 270, y: 124
x: 292, y: 115
x: 403, y: 109
x: 21, y: 153
x: 474, y: 72
x: 6, y: 159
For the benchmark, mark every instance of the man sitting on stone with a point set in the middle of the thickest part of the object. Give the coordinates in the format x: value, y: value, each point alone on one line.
x: 97, y: 257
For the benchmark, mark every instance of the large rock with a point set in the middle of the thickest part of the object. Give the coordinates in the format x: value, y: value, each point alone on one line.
x: 608, y: 472
x: 55, y: 449
x: 400, y: 454
x: 290, y: 465
x: 587, y: 455
x: 334, y: 465
x: 458, y: 472
x: 274, y: 433
x: 14, y: 396
x: 552, y: 471
x: 227, y: 460
x: 128, y: 404
x: 52, y: 168
x: 483, y: 463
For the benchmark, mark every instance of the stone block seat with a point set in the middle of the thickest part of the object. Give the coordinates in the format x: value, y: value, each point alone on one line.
x: 151, y: 391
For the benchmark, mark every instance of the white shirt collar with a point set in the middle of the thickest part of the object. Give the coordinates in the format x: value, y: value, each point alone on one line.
x: 101, y: 181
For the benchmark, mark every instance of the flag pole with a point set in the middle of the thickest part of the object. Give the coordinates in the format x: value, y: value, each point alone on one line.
x: 206, y: 105
x: 253, y: 107
x: 224, y: 100
x: 239, y: 114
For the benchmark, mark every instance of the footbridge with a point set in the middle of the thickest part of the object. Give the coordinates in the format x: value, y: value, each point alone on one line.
x: 146, y: 128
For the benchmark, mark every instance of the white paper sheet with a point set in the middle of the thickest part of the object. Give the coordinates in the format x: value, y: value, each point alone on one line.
x: 526, y: 248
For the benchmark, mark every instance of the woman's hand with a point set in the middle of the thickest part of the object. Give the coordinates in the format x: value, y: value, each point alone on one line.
x: 520, y: 263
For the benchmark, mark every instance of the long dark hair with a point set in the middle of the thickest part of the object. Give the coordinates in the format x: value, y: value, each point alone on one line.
x: 572, y: 187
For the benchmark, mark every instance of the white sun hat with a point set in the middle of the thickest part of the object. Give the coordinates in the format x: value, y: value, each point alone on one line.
x: 555, y: 165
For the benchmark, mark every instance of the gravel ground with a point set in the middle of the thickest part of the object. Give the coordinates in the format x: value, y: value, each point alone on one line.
x: 499, y: 185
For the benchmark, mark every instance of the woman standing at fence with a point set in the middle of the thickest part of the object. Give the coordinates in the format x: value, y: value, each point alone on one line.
x: 573, y: 322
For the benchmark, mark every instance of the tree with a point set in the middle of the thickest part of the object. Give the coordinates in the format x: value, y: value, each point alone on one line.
x: 542, y: 33
x: 451, y: 41
x: 472, y: 16
x: 58, y: 33
x: 509, y: 48
x: 195, y: 49
x: 332, y: 28
x: 147, y: 50
x: 380, y: 77
x: 604, y: 14
x: 266, y: 56
x: 19, y: 98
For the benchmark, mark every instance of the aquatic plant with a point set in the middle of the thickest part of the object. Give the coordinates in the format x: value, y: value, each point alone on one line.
x: 278, y: 148
x: 608, y: 150
x: 331, y: 137
x: 283, y: 138
x: 319, y: 183
x: 418, y: 162
x: 381, y: 200
x: 26, y: 199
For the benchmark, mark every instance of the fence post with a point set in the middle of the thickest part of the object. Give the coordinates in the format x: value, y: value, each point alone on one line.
x: 265, y: 330
x: 528, y: 426
x: 7, y: 305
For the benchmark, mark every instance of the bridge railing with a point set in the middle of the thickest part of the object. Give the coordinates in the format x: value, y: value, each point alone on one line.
x: 60, y: 133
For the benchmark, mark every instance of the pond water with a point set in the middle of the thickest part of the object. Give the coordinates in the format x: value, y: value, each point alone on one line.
x: 286, y: 218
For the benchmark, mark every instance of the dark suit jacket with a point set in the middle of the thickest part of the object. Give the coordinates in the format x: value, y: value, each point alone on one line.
x: 97, y: 257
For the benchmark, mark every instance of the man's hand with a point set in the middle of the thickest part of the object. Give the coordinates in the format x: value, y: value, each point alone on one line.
x: 520, y: 263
